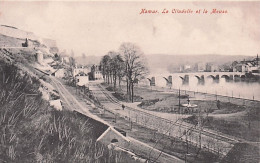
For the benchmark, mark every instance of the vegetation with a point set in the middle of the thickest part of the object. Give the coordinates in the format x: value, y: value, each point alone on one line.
x: 129, y: 63
x: 32, y: 131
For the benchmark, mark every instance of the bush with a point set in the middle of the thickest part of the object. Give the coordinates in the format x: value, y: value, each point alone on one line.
x: 146, y: 103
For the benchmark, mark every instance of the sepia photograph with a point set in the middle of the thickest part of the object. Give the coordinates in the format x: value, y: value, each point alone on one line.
x: 129, y: 81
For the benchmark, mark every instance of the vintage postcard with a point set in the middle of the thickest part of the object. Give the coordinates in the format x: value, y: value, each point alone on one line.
x: 130, y: 81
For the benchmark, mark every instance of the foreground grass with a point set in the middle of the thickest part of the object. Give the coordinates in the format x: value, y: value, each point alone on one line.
x: 32, y: 131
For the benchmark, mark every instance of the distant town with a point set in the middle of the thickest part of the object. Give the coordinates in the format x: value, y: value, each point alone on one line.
x: 246, y: 66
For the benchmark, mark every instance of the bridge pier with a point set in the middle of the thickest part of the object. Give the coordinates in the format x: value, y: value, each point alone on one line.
x: 152, y: 81
x: 237, y: 78
x: 185, y: 79
x: 216, y: 80
x: 169, y: 83
x: 201, y: 80
x: 231, y: 77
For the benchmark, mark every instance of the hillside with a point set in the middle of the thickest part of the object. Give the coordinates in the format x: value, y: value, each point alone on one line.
x: 33, y: 128
x: 14, y: 37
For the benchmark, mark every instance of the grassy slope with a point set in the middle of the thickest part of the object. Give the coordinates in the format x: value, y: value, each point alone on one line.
x: 32, y: 131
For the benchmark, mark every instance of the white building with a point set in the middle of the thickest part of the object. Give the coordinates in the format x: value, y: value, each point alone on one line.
x: 97, y: 75
x: 60, y: 73
x: 82, y: 79
x: 76, y: 71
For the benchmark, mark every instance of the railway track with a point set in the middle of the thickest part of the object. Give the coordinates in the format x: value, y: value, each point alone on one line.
x: 205, y: 132
x: 73, y: 104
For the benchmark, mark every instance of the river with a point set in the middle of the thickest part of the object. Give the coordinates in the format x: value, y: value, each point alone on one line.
x: 247, y: 90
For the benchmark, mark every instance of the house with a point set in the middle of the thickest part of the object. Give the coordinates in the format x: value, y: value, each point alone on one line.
x: 59, y: 73
x: 240, y: 67
x: 247, y: 66
x: 77, y: 70
x: 97, y: 74
x: 82, y: 79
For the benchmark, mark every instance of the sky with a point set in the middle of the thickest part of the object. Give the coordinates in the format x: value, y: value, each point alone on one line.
x: 95, y: 28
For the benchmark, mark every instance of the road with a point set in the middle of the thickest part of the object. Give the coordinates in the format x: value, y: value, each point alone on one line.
x: 72, y: 102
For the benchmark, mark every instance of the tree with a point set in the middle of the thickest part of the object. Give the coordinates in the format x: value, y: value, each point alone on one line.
x: 117, y: 67
x: 105, y: 66
x: 135, y: 66
x: 121, y: 69
x: 72, y: 62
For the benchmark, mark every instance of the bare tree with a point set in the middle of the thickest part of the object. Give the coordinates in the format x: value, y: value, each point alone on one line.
x: 135, y: 66
x: 117, y: 68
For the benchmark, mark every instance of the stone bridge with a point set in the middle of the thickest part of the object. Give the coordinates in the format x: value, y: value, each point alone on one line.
x: 214, y: 75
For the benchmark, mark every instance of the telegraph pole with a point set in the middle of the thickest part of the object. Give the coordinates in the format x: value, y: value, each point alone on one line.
x: 179, y: 100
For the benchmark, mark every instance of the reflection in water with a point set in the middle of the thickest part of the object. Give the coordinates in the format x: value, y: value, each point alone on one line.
x: 222, y: 87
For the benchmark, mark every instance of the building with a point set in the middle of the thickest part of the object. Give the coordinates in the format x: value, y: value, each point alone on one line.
x: 60, y: 73
x: 251, y: 66
x: 200, y: 67
x: 96, y: 73
x: 185, y: 68
x: 211, y: 67
x: 77, y: 70
x: 82, y: 79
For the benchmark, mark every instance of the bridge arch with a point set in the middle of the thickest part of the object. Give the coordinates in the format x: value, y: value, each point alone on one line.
x: 225, y: 76
x: 243, y: 76
x: 197, y: 77
x: 211, y: 76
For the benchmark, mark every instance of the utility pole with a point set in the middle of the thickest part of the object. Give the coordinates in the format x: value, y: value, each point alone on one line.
x: 179, y: 100
x: 200, y: 126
